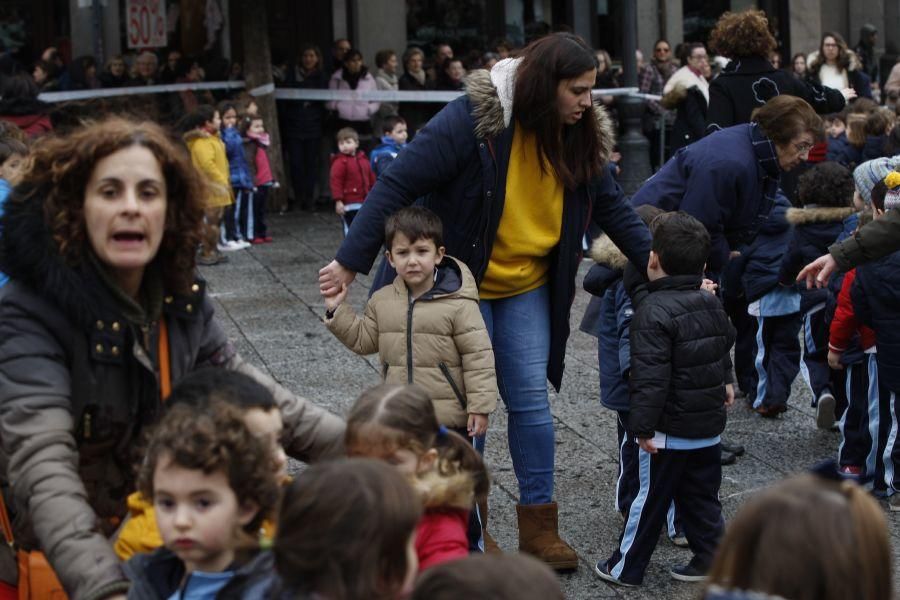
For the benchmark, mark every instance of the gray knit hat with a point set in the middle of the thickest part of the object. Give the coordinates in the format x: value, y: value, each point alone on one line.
x: 871, y: 172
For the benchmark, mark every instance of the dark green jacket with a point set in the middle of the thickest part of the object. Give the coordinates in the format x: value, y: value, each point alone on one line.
x: 877, y: 239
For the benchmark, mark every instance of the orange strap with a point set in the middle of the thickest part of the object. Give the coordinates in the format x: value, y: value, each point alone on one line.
x: 5, y: 524
x: 165, y: 375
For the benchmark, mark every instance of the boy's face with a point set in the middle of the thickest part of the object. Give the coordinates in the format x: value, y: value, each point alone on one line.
x: 399, y: 133
x: 198, y: 515
x: 229, y: 119
x: 415, y: 261
x: 836, y: 128
x: 268, y: 427
x: 12, y: 167
x: 256, y: 127
x: 348, y: 146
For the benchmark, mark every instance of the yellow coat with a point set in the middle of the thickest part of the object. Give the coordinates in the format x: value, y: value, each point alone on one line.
x: 208, y: 155
x: 139, y: 533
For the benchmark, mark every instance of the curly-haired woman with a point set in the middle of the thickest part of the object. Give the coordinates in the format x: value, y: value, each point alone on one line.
x: 836, y: 66
x: 99, y: 241
x: 750, y: 80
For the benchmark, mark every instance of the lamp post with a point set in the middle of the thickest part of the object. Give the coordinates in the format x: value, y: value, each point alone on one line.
x: 634, y: 146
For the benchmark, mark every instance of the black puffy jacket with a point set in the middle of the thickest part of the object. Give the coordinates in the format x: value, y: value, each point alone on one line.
x: 680, y: 362
x: 876, y: 300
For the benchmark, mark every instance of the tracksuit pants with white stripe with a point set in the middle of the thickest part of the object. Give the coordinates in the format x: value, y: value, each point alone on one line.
x: 866, y: 423
x: 689, y: 477
x: 777, y: 360
x: 814, y: 364
x: 628, y: 479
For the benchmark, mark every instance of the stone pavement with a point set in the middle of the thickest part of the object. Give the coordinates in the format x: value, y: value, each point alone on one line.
x: 267, y: 300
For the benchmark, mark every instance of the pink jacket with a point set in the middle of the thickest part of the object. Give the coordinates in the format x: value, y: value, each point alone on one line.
x: 353, y: 110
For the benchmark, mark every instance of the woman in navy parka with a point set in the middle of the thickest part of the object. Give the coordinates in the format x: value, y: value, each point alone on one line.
x: 478, y: 165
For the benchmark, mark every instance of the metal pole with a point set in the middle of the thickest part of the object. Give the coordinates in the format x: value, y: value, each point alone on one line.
x: 634, y: 146
x: 97, y: 23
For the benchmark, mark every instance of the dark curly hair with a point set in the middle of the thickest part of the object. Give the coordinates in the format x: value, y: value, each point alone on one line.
x: 343, y: 530
x: 59, y: 169
x: 843, y: 59
x: 214, y: 438
x: 826, y: 184
x: 742, y: 34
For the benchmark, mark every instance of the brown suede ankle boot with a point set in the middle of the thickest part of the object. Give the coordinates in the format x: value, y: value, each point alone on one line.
x: 490, y: 544
x: 539, y: 536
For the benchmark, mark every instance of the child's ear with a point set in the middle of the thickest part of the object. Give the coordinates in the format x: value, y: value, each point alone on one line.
x: 247, y: 512
x: 427, y: 461
x: 653, y: 261
x: 387, y: 255
x: 441, y: 252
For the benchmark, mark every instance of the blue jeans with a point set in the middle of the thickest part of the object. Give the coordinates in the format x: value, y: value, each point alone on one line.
x: 519, y: 328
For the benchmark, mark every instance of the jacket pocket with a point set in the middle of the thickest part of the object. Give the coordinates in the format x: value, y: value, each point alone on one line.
x: 446, y: 371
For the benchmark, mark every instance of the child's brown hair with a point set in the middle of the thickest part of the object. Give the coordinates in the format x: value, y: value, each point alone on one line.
x: 347, y: 133
x: 777, y: 545
x: 478, y: 576
x: 214, y: 438
x: 856, y: 129
x: 343, y: 530
x: 416, y: 223
x: 401, y: 417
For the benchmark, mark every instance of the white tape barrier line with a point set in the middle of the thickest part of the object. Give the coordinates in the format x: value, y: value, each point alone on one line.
x: 296, y: 94
x: 138, y: 90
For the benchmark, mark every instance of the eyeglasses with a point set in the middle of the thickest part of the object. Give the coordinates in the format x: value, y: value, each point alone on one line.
x: 661, y: 50
x: 701, y: 57
x: 829, y: 45
x: 803, y: 147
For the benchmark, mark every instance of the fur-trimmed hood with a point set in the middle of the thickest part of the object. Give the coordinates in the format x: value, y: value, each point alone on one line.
x: 492, y: 92
x: 29, y: 254
x: 456, y: 490
x: 818, y: 214
x: 606, y: 253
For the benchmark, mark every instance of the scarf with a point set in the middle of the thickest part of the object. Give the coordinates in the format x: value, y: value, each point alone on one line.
x: 418, y: 76
x: 767, y: 159
x: 352, y: 79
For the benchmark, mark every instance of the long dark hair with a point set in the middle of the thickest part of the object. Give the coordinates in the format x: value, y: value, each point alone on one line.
x: 843, y: 59
x: 573, y: 151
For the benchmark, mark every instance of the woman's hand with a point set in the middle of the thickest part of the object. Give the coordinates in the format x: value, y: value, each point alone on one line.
x: 849, y: 94
x: 818, y: 272
x: 334, y: 277
x: 339, y: 208
x: 709, y: 285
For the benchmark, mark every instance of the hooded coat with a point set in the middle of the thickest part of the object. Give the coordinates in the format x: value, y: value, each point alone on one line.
x: 459, y: 161
x: 208, y: 155
x: 441, y: 535
x: 351, y: 177
x: 815, y: 228
x: 437, y: 341
x: 876, y: 301
x: 78, y: 386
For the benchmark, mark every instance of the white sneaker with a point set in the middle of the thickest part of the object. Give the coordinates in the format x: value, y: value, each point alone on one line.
x: 825, y: 411
x: 241, y: 244
x: 230, y: 246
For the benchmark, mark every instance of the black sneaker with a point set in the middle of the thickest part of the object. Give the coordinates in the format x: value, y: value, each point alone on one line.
x: 688, y: 572
x: 603, y: 571
x: 728, y: 458
x: 735, y: 449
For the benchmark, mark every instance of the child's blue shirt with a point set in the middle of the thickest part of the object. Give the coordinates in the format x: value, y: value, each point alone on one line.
x: 202, y: 586
x: 5, y: 189
x: 384, y: 154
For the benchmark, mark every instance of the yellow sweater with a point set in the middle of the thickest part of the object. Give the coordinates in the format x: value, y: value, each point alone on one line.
x: 208, y: 155
x: 529, y: 227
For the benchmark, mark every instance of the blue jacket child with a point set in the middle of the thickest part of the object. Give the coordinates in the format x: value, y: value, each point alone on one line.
x: 384, y: 154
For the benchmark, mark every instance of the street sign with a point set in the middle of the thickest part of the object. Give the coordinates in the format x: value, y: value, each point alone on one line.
x: 146, y: 23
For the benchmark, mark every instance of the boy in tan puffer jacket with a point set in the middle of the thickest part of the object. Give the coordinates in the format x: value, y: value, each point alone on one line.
x: 426, y: 326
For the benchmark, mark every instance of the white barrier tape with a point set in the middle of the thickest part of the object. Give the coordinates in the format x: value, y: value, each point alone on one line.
x: 262, y: 90
x: 297, y: 94
x: 405, y: 95
x: 137, y: 90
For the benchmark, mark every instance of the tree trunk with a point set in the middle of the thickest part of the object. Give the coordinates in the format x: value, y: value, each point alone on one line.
x: 257, y: 73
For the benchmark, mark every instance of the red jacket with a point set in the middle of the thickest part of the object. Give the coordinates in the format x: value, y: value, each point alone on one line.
x: 33, y: 125
x: 441, y: 536
x: 844, y: 324
x: 351, y: 177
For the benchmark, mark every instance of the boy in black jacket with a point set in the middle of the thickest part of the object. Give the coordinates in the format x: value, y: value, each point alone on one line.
x: 680, y: 383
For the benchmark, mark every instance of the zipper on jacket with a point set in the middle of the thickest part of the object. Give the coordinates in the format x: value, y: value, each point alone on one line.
x: 409, y: 340
x: 446, y: 371
x: 484, y: 235
x: 384, y: 371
